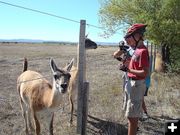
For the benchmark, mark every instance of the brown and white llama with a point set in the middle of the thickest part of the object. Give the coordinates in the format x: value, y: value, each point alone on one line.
x: 38, y: 96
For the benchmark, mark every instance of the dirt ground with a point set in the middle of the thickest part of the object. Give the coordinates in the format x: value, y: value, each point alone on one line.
x: 105, y: 115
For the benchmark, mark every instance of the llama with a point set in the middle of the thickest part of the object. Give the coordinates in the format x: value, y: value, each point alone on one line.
x: 40, y: 96
x: 37, y: 95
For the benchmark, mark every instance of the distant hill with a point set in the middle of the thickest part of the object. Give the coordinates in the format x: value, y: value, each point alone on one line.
x: 107, y: 43
x: 22, y: 40
x: 49, y: 41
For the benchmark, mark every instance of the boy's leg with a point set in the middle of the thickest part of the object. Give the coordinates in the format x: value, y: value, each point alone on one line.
x: 132, y: 125
x: 134, y: 105
x: 144, y: 106
x: 145, y: 114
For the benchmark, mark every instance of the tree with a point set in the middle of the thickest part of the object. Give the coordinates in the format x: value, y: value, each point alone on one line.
x: 161, y: 16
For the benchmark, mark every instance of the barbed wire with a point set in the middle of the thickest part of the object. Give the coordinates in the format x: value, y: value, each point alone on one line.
x: 38, y: 11
x: 52, y: 15
x: 33, y: 79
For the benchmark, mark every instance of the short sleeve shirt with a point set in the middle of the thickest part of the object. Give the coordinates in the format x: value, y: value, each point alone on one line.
x: 139, y: 60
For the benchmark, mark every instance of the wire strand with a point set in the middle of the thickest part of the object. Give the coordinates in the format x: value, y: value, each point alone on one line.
x: 50, y: 14
x: 33, y: 79
x: 38, y: 11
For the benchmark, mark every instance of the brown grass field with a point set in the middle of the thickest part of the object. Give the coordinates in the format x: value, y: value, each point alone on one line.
x: 105, y: 116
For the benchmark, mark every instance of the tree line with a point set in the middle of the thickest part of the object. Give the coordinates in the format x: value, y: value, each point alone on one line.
x: 161, y: 16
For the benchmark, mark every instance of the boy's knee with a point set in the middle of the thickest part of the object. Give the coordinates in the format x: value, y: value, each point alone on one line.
x: 133, y: 120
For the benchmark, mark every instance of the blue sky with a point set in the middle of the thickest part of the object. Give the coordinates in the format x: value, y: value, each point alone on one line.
x: 22, y: 24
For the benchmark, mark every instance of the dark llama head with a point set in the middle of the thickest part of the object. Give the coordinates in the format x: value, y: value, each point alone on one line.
x: 89, y: 44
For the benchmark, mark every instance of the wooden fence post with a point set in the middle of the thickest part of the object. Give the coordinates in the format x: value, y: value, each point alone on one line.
x: 81, y: 74
x: 154, y: 58
x: 151, y: 60
x: 85, y: 107
x: 147, y: 45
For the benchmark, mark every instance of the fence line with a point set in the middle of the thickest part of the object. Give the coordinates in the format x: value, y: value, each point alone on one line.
x: 82, y: 113
x: 38, y: 11
x: 33, y: 79
x: 152, y: 58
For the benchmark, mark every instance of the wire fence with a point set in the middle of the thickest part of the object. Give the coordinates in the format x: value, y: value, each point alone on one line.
x: 54, y: 15
x: 67, y: 19
x: 71, y: 20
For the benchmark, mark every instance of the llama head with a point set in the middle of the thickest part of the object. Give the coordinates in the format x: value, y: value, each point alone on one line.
x: 61, y: 77
x: 89, y: 44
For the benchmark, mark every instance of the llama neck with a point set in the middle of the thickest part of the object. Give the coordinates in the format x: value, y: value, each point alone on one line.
x: 56, y: 97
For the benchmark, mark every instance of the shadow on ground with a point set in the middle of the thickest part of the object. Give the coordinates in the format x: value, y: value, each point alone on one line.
x: 103, y: 127
x: 155, y: 125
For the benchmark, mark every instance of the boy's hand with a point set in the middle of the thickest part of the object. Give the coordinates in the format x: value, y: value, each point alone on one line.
x: 123, y: 68
x: 119, y: 58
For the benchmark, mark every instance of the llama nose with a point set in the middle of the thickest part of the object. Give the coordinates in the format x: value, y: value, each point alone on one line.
x: 64, y: 86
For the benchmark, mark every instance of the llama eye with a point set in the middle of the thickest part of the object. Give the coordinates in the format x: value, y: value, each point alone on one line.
x: 56, y: 77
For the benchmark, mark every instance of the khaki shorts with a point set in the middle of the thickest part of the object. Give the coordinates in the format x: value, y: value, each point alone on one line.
x: 134, y: 92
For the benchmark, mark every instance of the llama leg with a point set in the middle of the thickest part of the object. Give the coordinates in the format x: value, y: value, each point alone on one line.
x: 37, y: 125
x: 51, y: 118
x: 29, y: 119
x: 24, y: 114
x: 71, y: 110
x: 48, y: 117
x: 35, y: 121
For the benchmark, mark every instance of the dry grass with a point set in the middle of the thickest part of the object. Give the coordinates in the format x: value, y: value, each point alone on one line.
x: 105, y: 95
x: 165, y: 93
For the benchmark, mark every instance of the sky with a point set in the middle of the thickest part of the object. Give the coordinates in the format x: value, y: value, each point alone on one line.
x: 16, y: 23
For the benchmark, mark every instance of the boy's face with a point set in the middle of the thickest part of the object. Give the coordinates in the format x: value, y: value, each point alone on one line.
x: 130, y: 41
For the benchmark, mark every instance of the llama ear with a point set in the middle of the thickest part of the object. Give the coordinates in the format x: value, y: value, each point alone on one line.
x: 53, y: 65
x: 69, y: 66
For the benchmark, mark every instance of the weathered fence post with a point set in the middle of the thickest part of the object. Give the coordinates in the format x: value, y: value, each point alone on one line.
x: 154, y: 61
x: 151, y: 60
x: 82, y: 85
x: 85, y: 108
x: 147, y: 45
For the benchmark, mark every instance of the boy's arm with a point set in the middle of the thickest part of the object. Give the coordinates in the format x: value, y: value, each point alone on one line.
x: 117, y: 53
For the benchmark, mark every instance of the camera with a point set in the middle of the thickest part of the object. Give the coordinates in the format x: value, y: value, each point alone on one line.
x: 122, y: 46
